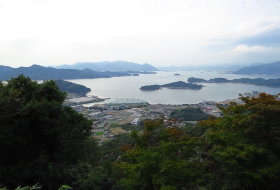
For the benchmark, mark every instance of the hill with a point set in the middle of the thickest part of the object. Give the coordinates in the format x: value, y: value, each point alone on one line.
x: 5, y: 69
x: 37, y: 72
x: 189, y: 114
x: 70, y: 87
x: 110, y: 66
x: 269, y: 69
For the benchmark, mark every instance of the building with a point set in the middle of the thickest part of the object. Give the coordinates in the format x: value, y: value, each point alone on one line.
x: 135, y: 121
x: 95, y: 114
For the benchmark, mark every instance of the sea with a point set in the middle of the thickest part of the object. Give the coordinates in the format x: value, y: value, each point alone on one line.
x: 127, y: 88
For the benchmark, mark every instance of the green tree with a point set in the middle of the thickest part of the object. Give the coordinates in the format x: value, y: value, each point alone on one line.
x: 189, y: 114
x: 245, y: 145
x: 41, y: 140
x: 163, y: 158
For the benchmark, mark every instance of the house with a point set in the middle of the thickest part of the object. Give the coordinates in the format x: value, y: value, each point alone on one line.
x: 135, y: 121
x: 95, y: 114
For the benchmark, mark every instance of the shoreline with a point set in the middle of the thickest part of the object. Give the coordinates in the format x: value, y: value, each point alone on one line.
x: 161, y: 88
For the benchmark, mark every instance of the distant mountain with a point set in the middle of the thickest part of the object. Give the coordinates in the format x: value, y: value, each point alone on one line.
x: 269, y: 69
x: 37, y: 72
x: 208, y: 67
x: 5, y: 68
x: 194, y: 67
x: 110, y: 66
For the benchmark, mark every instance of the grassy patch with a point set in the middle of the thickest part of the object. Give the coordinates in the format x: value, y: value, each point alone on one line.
x: 113, y: 124
x: 117, y: 130
x: 114, y: 120
x: 99, y: 133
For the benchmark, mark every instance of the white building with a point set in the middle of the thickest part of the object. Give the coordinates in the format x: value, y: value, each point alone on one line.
x: 135, y: 121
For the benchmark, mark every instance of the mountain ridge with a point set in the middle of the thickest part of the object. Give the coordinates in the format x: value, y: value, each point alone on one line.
x: 269, y: 69
x: 110, y: 66
x: 37, y: 72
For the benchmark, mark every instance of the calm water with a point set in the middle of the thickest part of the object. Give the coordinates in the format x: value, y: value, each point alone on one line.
x: 128, y: 87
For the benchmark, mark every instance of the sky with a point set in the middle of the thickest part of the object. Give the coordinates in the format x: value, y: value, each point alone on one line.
x: 158, y: 32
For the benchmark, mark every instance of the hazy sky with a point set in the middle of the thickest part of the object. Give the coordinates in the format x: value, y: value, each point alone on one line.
x: 159, y: 32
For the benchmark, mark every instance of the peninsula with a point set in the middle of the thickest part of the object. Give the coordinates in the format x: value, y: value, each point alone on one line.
x: 173, y: 85
x: 70, y: 87
x: 257, y: 81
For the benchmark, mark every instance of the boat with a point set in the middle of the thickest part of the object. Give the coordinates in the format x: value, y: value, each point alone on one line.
x: 176, y: 74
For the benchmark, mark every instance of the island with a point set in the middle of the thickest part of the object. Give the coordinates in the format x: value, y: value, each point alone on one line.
x: 173, y: 85
x: 257, y: 81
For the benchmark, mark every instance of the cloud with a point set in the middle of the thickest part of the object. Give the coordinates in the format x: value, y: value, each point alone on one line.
x: 154, y: 31
x: 256, y: 33
x: 263, y: 32
x: 254, y: 49
x: 249, y: 54
x: 258, y: 26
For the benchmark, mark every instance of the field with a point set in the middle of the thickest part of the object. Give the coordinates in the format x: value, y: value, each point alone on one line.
x: 99, y: 133
x: 112, y: 125
x: 98, y: 137
x: 147, y: 109
x: 127, y: 120
x: 118, y: 130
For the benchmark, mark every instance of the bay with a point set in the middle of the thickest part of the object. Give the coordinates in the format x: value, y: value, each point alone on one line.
x: 128, y: 87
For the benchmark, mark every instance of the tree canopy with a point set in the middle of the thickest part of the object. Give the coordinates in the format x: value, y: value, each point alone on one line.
x: 237, y: 151
x: 163, y: 158
x: 189, y: 114
x: 245, y: 144
x: 41, y: 140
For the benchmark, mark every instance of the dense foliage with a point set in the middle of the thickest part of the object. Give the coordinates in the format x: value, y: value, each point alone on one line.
x: 238, y: 151
x: 41, y: 140
x: 245, y: 144
x: 70, y: 87
x: 111, y: 149
x: 189, y: 114
x: 44, y: 142
x: 163, y: 158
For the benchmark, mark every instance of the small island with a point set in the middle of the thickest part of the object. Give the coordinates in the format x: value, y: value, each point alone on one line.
x: 173, y: 85
x: 257, y: 81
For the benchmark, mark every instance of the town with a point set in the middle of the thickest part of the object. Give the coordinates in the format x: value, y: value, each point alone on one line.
x: 110, y: 120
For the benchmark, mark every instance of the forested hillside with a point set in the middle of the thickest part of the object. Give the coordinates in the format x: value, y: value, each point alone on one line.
x: 70, y: 87
x: 44, y: 142
x: 189, y: 114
